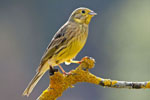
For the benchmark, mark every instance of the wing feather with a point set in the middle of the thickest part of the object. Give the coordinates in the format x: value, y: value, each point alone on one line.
x: 58, y: 40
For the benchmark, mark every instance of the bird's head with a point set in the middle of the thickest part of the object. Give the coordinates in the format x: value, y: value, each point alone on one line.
x: 82, y: 15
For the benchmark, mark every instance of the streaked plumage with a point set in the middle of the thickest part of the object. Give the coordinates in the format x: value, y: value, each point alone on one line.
x: 65, y: 45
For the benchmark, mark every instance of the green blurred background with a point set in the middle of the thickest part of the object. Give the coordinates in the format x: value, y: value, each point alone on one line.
x: 119, y: 40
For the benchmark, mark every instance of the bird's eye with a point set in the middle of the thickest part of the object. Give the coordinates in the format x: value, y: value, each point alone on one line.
x: 83, y: 11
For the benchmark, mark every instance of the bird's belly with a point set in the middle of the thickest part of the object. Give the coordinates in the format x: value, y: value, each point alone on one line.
x: 71, y: 50
x: 74, y: 49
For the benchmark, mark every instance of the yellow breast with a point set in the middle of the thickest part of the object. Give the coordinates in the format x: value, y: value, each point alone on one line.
x: 73, y: 47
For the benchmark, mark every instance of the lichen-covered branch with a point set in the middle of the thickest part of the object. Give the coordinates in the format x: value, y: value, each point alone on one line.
x: 59, y: 82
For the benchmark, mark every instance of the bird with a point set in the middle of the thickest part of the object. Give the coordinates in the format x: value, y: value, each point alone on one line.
x: 65, y: 45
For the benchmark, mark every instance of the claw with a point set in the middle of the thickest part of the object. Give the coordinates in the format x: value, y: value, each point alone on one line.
x: 52, y: 71
x: 84, y: 59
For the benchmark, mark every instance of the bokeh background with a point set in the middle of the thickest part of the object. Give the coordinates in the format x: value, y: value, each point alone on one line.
x: 119, y: 40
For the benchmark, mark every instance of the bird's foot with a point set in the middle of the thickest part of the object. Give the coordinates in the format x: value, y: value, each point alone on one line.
x: 83, y: 59
x: 52, y: 71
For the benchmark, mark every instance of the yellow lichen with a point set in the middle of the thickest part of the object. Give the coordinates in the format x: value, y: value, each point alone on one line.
x: 107, y: 82
x: 114, y: 82
x: 147, y: 85
x: 59, y: 83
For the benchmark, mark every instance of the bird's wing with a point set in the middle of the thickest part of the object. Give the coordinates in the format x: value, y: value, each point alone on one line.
x: 54, y: 46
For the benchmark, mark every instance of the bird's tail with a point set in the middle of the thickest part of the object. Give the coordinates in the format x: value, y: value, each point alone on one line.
x: 33, y: 83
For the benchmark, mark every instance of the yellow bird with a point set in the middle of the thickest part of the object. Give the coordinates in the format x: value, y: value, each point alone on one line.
x: 65, y: 45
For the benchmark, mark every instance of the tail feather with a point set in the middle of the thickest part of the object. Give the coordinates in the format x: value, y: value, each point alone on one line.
x: 33, y: 83
x: 36, y: 78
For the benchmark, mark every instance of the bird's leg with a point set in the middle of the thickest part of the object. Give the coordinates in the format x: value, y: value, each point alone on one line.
x: 77, y: 62
x: 52, y: 70
x: 64, y: 72
x: 72, y: 61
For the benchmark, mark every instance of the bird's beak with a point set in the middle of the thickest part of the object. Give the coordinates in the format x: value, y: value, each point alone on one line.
x: 92, y: 13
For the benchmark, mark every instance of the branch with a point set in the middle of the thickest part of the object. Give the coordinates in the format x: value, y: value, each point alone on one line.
x: 59, y: 83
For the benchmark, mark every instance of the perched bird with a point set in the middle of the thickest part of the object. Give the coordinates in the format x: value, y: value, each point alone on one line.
x: 65, y: 45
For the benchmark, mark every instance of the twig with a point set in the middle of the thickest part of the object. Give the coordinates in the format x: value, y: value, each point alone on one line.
x: 59, y: 83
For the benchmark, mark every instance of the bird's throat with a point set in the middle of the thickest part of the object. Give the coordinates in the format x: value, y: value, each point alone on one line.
x: 86, y: 21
